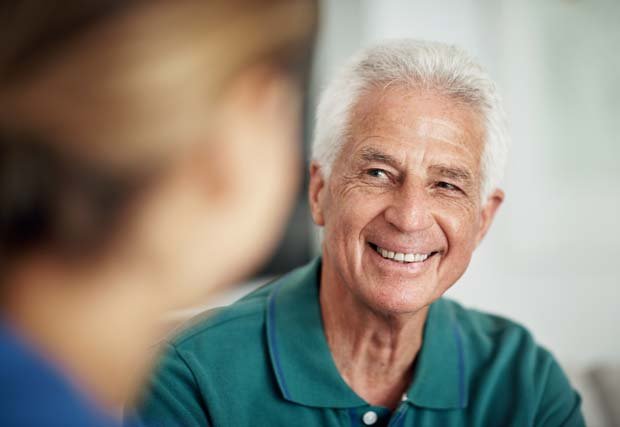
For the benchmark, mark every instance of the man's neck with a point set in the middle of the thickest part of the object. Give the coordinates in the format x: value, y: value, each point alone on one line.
x: 374, y: 352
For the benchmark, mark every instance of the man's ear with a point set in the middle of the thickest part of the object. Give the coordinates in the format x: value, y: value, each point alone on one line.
x: 489, y: 209
x: 316, y: 193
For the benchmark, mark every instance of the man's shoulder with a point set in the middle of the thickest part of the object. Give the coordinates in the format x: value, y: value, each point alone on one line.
x: 227, y: 342
x: 502, y: 357
x: 493, y: 340
x: 480, y: 324
x: 490, y: 336
x: 243, y: 316
x: 243, y: 320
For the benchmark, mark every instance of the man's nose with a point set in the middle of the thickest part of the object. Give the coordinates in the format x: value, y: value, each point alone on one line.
x: 410, y: 209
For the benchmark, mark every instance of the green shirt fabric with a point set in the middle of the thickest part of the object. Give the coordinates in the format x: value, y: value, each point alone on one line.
x: 265, y: 361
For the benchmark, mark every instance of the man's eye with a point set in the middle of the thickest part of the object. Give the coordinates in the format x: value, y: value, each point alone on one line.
x: 377, y: 173
x: 447, y: 186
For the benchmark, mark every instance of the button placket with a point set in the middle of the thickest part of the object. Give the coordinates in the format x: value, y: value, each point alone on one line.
x: 399, y: 413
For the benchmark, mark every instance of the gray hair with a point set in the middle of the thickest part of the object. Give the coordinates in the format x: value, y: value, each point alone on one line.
x: 418, y: 64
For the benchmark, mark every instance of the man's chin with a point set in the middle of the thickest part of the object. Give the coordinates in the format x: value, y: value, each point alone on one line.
x: 396, y: 299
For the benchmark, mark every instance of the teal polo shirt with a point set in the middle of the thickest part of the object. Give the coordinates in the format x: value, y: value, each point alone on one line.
x: 265, y: 361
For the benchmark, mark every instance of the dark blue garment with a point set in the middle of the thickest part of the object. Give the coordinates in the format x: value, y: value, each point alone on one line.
x: 34, y: 393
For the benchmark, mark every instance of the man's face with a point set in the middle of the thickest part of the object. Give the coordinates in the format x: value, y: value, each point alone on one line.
x: 401, y: 210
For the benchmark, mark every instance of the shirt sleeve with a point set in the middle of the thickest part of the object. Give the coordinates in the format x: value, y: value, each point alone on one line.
x: 172, y: 397
x: 560, y: 405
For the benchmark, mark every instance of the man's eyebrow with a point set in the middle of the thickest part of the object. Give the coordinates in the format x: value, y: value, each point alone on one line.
x: 369, y: 154
x: 452, y: 172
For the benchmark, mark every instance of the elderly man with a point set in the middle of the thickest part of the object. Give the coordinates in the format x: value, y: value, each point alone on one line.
x: 409, y: 149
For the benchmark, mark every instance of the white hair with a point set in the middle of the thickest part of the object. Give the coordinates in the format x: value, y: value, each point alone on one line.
x: 418, y: 64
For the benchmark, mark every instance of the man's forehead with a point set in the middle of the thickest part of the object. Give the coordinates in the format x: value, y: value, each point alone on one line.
x: 437, y: 128
x: 413, y: 117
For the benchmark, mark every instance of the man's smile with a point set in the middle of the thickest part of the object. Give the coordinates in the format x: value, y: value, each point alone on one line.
x: 402, y: 257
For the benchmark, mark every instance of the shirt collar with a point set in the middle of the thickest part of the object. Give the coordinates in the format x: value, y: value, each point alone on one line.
x: 439, y: 375
x: 306, y: 372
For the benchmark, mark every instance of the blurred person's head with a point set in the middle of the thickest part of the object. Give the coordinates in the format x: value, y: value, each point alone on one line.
x: 409, y: 149
x: 148, y: 153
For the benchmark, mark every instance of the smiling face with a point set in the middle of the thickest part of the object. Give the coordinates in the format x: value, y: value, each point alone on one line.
x: 401, y: 209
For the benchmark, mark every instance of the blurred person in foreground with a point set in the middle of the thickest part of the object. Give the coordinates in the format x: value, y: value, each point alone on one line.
x: 409, y: 149
x: 148, y: 154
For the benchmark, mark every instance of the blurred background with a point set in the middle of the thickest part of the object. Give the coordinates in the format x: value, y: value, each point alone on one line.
x: 551, y: 258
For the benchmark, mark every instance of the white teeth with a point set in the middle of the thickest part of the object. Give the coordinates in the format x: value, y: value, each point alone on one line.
x: 402, y: 257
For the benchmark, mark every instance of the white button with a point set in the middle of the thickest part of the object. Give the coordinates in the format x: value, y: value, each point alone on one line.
x: 370, y: 418
x: 404, y: 398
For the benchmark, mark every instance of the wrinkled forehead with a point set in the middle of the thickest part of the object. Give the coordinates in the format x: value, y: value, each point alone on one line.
x: 409, y: 117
